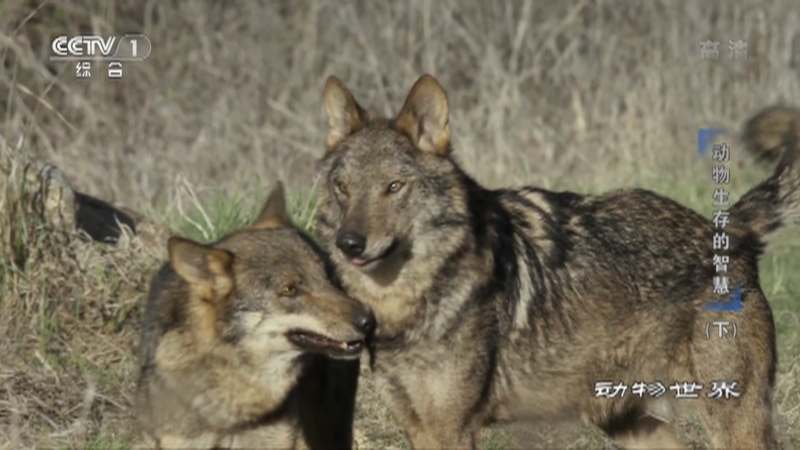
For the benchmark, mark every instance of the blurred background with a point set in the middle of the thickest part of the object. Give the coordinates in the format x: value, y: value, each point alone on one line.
x: 587, y: 95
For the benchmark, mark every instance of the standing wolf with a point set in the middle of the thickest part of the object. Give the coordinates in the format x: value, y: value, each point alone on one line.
x: 233, y: 338
x: 511, y: 304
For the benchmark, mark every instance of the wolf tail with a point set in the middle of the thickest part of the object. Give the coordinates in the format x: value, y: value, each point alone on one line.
x: 773, y: 134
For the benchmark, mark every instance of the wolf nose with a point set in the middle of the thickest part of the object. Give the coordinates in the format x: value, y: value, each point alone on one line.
x: 351, y: 244
x: 365, y: 323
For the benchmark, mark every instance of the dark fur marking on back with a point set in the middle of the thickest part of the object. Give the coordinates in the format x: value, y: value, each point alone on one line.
x: 546, y: 291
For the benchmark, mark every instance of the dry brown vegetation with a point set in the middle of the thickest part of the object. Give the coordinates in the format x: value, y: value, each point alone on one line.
x: 582, y: 94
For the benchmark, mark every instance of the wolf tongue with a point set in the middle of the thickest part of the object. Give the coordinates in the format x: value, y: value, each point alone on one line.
x: 358, y: 261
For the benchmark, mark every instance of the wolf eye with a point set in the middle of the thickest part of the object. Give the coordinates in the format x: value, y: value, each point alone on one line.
x: 395, y: 186
x: 288, y: 291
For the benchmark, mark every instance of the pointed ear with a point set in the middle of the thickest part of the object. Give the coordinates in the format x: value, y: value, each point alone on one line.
x: 425, y: 117
x: 344, y: 114
x: 206, y: 268
x: 274, y: 214
x: 209, y: 272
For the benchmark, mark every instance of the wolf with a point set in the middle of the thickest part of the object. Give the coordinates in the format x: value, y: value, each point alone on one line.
x: 248, y: 342
x: 502, y: 305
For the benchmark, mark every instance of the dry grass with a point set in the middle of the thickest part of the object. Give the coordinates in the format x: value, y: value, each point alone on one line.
x: 586, y: 95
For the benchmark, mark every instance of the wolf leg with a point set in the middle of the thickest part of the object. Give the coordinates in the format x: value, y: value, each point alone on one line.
x: 429, y: 439
x: 739, y: 375
x: 744, y: 422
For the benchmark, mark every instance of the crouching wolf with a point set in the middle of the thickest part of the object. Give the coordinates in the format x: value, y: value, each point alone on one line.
x: 237, y: 343
x: 511, y: 304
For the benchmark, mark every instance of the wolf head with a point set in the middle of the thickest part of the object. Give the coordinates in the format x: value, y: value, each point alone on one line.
x: 266, y: 289
x: 389, y: 186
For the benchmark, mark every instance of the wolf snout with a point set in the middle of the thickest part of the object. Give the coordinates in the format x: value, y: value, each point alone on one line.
x: 351, y: 244
x: 365, y: 322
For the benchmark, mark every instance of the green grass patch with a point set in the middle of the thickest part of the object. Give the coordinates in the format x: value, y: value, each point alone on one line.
x: 221, y: 213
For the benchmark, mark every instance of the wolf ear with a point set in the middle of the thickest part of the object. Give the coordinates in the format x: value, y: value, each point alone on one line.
x: 202, y: 266
x: 425, y: 117
x: 274, y: 214
x: 209, y: 272
x: 345, y: 115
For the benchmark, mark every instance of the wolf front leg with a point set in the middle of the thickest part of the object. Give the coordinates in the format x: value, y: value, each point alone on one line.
x: 428, y: 439
x: 434, y: 433
x: 208, y: 440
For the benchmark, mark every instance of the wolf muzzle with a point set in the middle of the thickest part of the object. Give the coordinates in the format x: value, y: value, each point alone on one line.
x: 351, y: 244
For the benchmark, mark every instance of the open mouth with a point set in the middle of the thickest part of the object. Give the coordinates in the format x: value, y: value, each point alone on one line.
x: 364, y: 262
x: 316, y: 343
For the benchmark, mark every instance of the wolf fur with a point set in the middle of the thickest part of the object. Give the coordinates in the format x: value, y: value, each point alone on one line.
x: 247, y: 342
x: 764, y: 134
x: 510, y: 304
